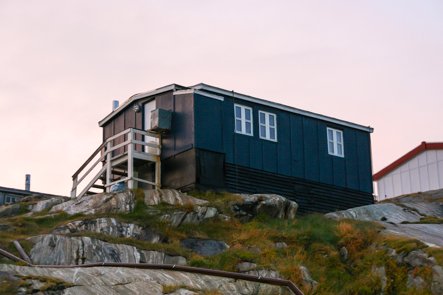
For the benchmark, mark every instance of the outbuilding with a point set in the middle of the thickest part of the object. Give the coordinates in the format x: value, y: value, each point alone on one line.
x: 419, y: 170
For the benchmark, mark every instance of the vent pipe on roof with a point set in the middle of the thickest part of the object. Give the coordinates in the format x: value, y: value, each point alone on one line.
x: 28, y: 182
x: 114, y: 105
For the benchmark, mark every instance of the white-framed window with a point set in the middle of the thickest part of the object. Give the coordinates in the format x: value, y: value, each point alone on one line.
x: 267, y: 125
x: 243, y: 120
x: 335, y: 142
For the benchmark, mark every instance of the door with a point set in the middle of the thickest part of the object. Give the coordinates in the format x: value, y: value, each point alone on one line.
x: 149, y: 107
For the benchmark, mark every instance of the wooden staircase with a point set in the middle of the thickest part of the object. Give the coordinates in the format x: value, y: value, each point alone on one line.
x: 114, y: 162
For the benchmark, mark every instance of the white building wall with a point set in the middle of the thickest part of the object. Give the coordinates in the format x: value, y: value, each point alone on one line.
x: 420, y: 174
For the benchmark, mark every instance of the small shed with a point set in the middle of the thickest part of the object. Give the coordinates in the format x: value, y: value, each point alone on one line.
x: 419, y: 170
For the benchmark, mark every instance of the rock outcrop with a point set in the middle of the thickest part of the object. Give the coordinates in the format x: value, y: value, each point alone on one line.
x: 204, y: 247
x: 269, y: 204
x: 198, y: 215
x: 171, y: 197
x: 111, y: 227
x: 46, y: 204
x: 9, y: 210
x: 131, y: 281
x: 403, y: 216
x: 123, y: 202
x: 61, y: 250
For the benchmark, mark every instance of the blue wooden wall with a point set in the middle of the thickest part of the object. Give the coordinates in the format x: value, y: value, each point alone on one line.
x: 301, y: 150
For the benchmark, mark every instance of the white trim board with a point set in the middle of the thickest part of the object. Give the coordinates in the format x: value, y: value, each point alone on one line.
x: 275, y: 105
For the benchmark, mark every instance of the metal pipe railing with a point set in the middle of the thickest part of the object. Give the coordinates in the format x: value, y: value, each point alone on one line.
x: 189, y: 269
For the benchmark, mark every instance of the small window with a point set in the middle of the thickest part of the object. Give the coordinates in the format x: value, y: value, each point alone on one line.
x: 243, y: 120
x: 335, y: 142
x: 267, y: 125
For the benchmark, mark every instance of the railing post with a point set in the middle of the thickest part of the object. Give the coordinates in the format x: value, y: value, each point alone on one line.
x: 74, y: 186
x: 108, y: 166
x: 131, y: 160
x: 158, y: 165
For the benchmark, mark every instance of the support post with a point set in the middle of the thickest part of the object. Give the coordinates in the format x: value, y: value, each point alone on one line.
x: 74, y: 187
x: 131, y: 160
x: 108, y: 166
x: 158, y: 166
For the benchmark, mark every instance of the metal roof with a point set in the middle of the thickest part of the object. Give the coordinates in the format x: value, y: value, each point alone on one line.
x: 220, y: 91
x: 424, y: 146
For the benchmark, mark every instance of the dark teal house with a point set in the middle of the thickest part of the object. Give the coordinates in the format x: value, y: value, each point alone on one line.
x: 224, y: 140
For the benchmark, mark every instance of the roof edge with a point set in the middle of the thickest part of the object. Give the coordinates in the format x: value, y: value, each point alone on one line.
x: 137, y: 96
x: 424, y: 146
x: 222, y: 91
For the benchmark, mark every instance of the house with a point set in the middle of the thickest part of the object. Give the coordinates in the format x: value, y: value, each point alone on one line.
x: 419, y: 170
x: 223, y: 140
x: 10, y: 195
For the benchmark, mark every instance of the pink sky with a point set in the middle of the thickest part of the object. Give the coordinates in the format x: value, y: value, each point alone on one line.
x: 377, y: 63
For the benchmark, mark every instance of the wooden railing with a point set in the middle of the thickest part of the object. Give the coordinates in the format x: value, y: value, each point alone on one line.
x: 111, y: 154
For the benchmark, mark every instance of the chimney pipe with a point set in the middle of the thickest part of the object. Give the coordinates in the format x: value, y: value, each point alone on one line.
x: 114, y: 105
x: 28, y: 182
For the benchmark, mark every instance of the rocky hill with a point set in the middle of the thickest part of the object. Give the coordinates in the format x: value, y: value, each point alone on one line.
x: 357, y: 251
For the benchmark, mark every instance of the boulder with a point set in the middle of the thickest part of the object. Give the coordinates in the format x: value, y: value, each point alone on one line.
x: 171, y: 197
x: 415, y: 282
x: 378, y: 212
x: 198, y: 215
x: 245, y: 266
x: 419, y: 258
x: 9, y: 210
x: 204, y: 247
x: 265, y: 273
x: 269, y: 204
x: 307, y: 279
x: 111, y: 227
x: 46, y: 204
x: 280, y: 245
x: 132, y: 281
x: 99, y: 203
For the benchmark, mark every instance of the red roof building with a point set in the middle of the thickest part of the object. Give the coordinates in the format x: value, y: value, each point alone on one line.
x: 419, y: 170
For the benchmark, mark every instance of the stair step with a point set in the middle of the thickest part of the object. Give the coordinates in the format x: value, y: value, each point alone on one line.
x: 98, y: 186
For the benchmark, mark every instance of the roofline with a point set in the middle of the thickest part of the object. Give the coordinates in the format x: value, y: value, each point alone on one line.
x: 170, y: 87
x: 424, y: 146
x: 218, y: 90
x: 25, y: 192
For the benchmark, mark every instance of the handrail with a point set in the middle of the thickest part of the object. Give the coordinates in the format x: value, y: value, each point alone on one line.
x: 107, y: 147
x: 91, y: 157
x: 172, y: 267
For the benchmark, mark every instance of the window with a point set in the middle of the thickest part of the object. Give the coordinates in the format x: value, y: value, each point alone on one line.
x: 335, y: 142
x: 243, y: 119
x: 267, y: 125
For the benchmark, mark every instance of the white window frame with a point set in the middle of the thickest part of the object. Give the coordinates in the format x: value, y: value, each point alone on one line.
x: 243, y: 120
x: 267, y: 126
x: 335, y: 141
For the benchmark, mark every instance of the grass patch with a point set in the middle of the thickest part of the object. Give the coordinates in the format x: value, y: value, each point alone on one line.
x: 402, y: 244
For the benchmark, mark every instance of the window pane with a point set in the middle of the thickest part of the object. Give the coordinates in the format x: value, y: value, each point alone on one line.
x: 262, y: 118
x: 237, y: 125
x: 248, y: 114
x: 248, y: 128
x: 262, y: 131
x: 339, y: 149
x: 331, y: 147
x: 339, y: 135
x: 272, y: 133
x: 271, y: 120
x: 237, y: 112
x: 330, y: 135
